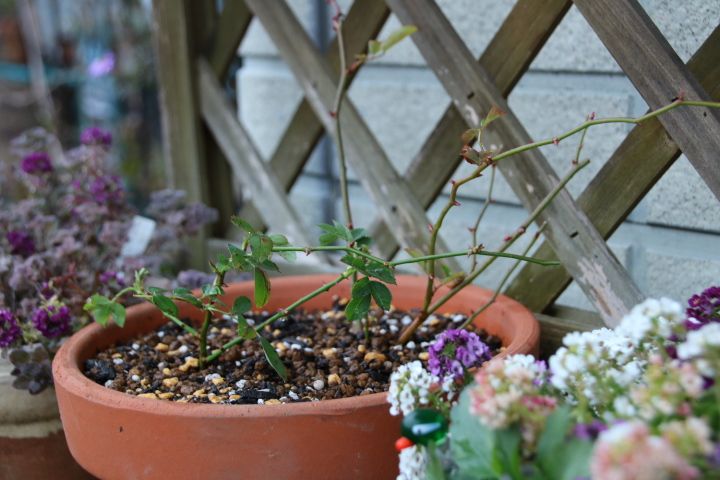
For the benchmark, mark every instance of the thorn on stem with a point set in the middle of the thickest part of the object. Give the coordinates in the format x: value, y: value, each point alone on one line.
x: 555, y: 141
x: 456, y: 203
x: 430, y: 227
x: 332, y: 113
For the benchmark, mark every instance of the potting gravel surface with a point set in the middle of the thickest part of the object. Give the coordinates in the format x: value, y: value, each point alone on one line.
x: 326, y: 357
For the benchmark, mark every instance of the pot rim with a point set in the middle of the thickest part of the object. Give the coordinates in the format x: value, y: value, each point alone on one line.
x: 67, y: 374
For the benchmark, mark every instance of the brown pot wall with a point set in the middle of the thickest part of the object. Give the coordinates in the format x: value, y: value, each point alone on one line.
x: 119, y: 436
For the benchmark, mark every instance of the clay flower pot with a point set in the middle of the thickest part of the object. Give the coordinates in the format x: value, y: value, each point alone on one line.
x: 32, y: 444
x: 118, y: 436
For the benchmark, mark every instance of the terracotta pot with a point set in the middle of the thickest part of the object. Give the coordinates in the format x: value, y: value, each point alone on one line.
x: 32, y: 444
x: 119, y: 436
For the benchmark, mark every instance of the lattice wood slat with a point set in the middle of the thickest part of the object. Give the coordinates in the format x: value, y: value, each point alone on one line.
x: 391, y: 194
x: 364, y: 20
x: 249, y: 167
x: 576, y: 242
x: 512, y: 49
x: 659, y: 75
x: 231, y: 27
x: 620, y: 184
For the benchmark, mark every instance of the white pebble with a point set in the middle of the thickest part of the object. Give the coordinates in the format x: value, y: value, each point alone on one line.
x: 406, y: 320
x: 241, y: 384
x: 264, y: 390
x: 394, y: 328
x: 238, y: 363
x: 383, y: 331
x: 431, y: 318
x: 260, y: 401
x: 211, y: 376
x: 135, y: 346
x: 250, y: 322
x: 308, y: 350
x: 318, y: 385
x: 183, y: 349
x: 293, y: 395
x: 410, y: 345
x: 162, y: 365
x: 108, y: 383
x: 458, y: 318
x: 160, y: 334
x: 118, y: 361
x: 296, y: 346
x: 135, y: 378
x: 347, y: 359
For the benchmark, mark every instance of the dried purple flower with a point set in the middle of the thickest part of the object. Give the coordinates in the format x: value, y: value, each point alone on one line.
x: 589, y: 431
x: 455, y: 351
x: 9, y: 328
x: 96, y: 136
x: 194, y: 278
x: 703, y: 308
x: 21, y: 243
x: 107, y: 189
x: 35, y: 163
x: 52, y: 321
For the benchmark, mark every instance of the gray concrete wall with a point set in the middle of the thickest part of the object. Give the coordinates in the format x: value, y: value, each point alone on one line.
x: 671, y: 241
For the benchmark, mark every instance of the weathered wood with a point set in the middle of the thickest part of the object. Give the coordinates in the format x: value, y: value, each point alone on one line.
x: 521, y: 36
x: 182, y: 144
x: 560, y: 321
x: 364, y: 20
x: 620, y: 184
x: 231, y: 27
x: 659, y: 75
x: 247, y: 164
x: 389, y: 191
x: 576, y: 242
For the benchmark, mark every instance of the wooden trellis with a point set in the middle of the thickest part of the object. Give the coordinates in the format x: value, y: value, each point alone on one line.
x: 206, y: 144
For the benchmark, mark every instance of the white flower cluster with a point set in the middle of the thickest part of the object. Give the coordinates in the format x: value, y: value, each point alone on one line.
x: 702, y: 347
x: 591, y: 365
x: 409, y: 388
x: 412, y: 463
x: 651, y: 321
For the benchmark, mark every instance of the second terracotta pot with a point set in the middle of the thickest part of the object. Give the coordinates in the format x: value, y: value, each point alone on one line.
x: 118, y: 436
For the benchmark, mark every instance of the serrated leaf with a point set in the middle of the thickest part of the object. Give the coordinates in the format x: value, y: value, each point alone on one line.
x: 211, y: 290
x: 166, y: 305
x: 370, y: 268
x: 260, y: 246
x: 357, y: 308
x: 262, y: 288
x: 289, y: 256
x: 397, y: 36
x: 361, y: 288
x: 239, y: 259
x: 155, y: 290
x: 279, y: 240
x: 381, y: 294
x: 273, y: 358
x: 103, y: 310
x: 186, y: 295
x: 268, y: 265
x: 118, y: 314
x: 244, y: 330
x: 241, y: 305
x: 328, y: 238
x: 242, y: 224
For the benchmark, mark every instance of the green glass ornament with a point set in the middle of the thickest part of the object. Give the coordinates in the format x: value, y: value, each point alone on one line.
x: 424, y: 426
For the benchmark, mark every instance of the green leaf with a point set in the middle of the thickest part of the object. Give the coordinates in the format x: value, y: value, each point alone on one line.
x: 166, y: 305
x: 492, y: 115
x: 242, y: 224
x: 370, y: 268
x: 289, y: 256
x: 470, y: 136
x: 211, y: 290
x: 244, y: 330
x: 508, y: 445
x: 273, y: 358
x: 103, y: 310
x: 279, y: 240
x: 239, y: 259
x: 361, y: 288
x: 186, y: 296
x: 473, y: 444
x: 262, y: 288
x: 374, y: 47
x: 381, y: 294
x: 397, y: 36
x: 357, y: 308
x: 560, y: 456
x: 268, y: 265
x: 260, y: 246
x: 241, y: 305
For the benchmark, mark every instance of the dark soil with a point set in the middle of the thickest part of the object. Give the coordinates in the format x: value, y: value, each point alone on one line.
x: 326, y: 358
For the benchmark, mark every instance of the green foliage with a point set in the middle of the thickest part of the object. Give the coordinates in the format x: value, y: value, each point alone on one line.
x: 273, y: 358
x: 262, y: 288
x: 103, y: 310
x: 377, y: 48
x: 381, y: 294
x: 337, y: 231
x: 166, y: 305
x: 370, y: 268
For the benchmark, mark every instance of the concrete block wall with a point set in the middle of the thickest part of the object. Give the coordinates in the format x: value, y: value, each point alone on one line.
x: 671, y: 241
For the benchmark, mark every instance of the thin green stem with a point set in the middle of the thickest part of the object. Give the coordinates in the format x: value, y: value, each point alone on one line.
x: 601, y: 121
x: 217, y: 282
x: 488, y: 201
x: 332, y: 248
x: 337, y: 106
x: 504, y: 280
x: 475, y: 251
x: 282, y: 313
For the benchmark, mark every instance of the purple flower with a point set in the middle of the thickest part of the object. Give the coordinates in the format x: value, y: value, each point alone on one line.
x: 454, y: 351
x: 589, y: 431
x: 703, y: 308
x: 9, y: 328
x: 193, y: 278
x: 96, y: 136
x: 36, y: 162
x: 107, y: 189
x: 21, y: 243
x: 52, y: 321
